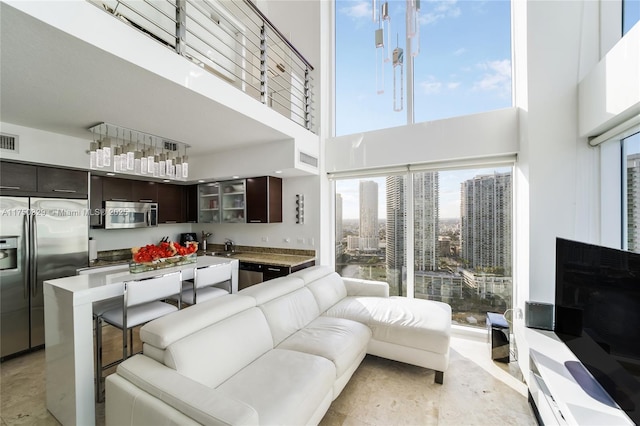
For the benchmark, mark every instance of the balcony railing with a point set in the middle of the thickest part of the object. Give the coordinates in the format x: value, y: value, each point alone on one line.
x: 233, y: 40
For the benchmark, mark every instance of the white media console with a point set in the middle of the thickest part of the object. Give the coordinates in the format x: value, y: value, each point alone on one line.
x: 562, y: 389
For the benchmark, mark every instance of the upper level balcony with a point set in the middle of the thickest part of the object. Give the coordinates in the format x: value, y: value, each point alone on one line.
x: 216, y: 75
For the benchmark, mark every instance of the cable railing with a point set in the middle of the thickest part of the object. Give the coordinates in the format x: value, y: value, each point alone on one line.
x: 233, y: 40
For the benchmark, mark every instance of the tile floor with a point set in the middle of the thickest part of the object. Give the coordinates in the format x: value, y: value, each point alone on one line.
x: 476, y: 391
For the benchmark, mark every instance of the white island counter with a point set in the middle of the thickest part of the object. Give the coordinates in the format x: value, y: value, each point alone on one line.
x: 69, y: 338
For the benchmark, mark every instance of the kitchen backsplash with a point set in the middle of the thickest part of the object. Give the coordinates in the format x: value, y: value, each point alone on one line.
x: 115, y: 239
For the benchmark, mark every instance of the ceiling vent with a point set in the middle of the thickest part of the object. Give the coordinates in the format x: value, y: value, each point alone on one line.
x: 8, y: 142
x: 170, y: 146
x: 308, y: 159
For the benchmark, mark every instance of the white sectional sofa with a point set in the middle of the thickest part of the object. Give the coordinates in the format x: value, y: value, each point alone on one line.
x: 275, y: 353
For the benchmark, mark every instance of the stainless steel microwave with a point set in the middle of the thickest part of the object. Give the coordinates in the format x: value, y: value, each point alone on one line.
x: 125, y: 215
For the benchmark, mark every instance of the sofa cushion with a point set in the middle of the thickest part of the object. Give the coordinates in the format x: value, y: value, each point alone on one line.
x: 168, y: 329
x: 284, y: 387
x: 417, y: 323
x: 312, y: 273
x: 215, y: 353
x: 289, y: 313
x: 272, y: 289
x: 339, y: 340
x: 328, y: 290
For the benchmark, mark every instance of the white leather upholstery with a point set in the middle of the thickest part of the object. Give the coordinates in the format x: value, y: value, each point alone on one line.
x: 139, y: 314
x: 202, y: 294
x: 275, y: 353
x: 284, y: 387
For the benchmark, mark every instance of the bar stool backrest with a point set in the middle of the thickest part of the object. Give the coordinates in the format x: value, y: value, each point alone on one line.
x: 213, y: 274
x: 148, y: 290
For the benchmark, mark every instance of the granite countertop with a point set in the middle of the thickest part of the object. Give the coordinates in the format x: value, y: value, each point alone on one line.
x: 264, y: 255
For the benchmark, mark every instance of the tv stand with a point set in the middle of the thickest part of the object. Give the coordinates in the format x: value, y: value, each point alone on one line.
x: 561, y: 389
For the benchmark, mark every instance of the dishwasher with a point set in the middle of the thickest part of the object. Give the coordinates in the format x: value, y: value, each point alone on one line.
x: 249, y: 274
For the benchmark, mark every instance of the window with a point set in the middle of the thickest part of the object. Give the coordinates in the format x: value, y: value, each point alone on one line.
x: 462, y: 66
x: 631, y: 192
x: 630, y: 14
x: 454, y: 231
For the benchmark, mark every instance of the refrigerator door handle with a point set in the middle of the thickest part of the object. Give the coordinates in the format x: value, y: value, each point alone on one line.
x: 34, y: 263
x: 25, y: 255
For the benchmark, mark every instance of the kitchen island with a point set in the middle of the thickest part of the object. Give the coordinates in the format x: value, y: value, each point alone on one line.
x: 69, y: 337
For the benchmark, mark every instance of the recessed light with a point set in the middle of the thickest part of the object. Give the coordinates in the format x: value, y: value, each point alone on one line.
x: 235, y: 177
x: 278, y: 172
x: 111, y: 174
x: 200, y: 181
x: 166, y: 180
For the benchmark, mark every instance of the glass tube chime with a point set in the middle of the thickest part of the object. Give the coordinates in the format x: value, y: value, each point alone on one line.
x: 136, y: 155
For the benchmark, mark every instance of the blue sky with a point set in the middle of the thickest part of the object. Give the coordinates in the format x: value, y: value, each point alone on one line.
x: 463, y: 67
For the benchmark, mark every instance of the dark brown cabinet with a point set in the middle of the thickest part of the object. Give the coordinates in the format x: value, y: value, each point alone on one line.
x: 63, y: 182
x: 16, y: 177
x: 95, y: 202
x: 191, y: 192
x: 144, y: 192
x: 171, y: 204
x: 115, y: 189
x: 264, y: 199
x: 42, y: 181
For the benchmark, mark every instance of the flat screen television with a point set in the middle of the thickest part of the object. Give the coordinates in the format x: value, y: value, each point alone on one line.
x: 597, y: 315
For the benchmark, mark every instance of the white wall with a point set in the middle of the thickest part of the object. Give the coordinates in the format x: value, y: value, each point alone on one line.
x: 37, y: 146
x: 488, y: 134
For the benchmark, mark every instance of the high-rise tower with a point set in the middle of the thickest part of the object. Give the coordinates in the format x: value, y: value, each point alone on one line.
x: 633, y: 203
x: 485, y: 204
x: 369, y: 238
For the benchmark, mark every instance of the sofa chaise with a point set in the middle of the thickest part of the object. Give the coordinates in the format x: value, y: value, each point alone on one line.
x: 275, y: 353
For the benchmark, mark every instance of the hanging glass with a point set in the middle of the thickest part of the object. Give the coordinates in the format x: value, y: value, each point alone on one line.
x: 413, y: 26
x: 150, y: 157
x: 117, y: 163
x: 398, y: 74
x: 386, y: 29
x: 379, y: 61
x: 185, y: 164
x: 93, y: 147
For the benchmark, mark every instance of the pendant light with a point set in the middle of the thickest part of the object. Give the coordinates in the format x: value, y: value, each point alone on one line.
x: 151, y: 156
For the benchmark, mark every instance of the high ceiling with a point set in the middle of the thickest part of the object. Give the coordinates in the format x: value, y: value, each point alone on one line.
x: 55, y: 82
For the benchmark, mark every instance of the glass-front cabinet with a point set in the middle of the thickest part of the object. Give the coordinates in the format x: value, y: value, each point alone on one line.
x: 233, y: 201
x: 209, y: 203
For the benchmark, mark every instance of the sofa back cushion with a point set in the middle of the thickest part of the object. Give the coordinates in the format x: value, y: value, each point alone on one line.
x: 313, y: 273
x: 289, y: 313
x: 215, y: 353
x: 328, y: 290
x: 272, y: 289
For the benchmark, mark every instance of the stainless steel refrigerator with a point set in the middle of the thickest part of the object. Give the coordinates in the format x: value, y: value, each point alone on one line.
x: 40, y: 239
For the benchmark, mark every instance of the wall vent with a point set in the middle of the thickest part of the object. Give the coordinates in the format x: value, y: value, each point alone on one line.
x: 308, y: 159
x: 170, y: 146
x: 8, y: 142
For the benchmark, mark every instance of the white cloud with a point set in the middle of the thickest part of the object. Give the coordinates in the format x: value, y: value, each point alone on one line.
x: 460, y: 51
x: 497, y: 76
x: 431, y: 85
x: 442, y: 9
x: 359, y: 9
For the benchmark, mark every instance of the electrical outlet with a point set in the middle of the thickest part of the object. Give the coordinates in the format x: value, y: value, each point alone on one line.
x: 286, y: 239
x: 265, y: 239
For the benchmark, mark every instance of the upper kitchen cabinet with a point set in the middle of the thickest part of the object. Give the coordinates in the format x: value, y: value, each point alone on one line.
x: 171, y: 204
x: 15, y: 177
x: 233, y: 201
x: 96, y: 220
x: 144, y: 192
x: 116, y: 189
x: 192, y: 203
x: 62, y: 182
x: 264, y: 200
x: 209, y: 203
x: 42, y: 181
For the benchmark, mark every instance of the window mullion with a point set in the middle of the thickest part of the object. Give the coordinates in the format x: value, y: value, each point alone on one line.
x: 410, y: 236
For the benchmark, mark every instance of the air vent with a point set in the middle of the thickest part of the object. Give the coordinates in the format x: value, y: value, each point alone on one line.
x: 308, y: 159
x: 8, y: 142
x: 170, y: 146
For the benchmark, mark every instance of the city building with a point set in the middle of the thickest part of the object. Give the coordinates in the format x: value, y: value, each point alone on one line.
x: 486, y: 222
x: 396, y: 233
x: 426, y: 216
x: 369, y: 235
x: 633, y: 202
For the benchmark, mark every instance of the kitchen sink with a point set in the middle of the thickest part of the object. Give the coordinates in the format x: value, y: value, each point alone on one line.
x: 221, y: 253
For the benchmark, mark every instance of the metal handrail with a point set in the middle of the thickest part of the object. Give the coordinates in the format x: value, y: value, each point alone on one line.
x: 241, y: 45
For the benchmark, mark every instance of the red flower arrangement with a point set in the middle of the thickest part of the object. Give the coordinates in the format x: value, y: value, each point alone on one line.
x: 151, y: 252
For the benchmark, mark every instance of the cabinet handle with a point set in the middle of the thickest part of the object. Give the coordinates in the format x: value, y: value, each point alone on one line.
x: 255, y: 221
x: 146, y: 201
x: 9, y: 187
x: 170, y: 221
x: 65, y: 190
x: 274, y: 269
x: 119, y: 199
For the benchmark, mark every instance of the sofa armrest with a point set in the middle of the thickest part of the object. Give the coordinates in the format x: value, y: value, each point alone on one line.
x: 203, y: 404
x: 359, y: 287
